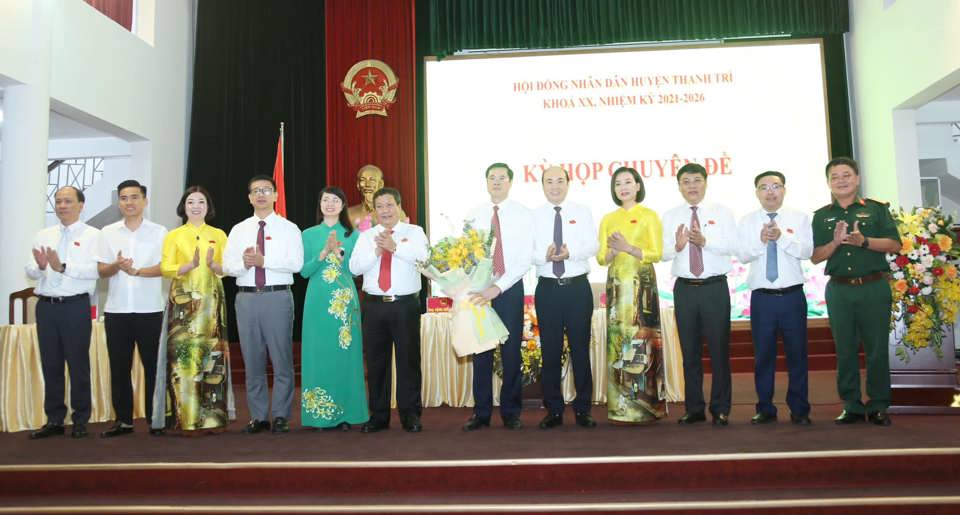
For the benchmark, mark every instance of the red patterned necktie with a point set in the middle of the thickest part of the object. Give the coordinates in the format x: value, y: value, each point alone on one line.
x: 696, y: 252
x: 386, y: 262
x: 259, y: 274
x: 498, y: 267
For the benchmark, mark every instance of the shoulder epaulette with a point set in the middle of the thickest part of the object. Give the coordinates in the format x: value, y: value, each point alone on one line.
x: 824, y: 207
x: 882, y: 203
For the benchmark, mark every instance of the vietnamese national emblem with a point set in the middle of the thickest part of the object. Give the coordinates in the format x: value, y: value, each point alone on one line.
x: 370, y: 87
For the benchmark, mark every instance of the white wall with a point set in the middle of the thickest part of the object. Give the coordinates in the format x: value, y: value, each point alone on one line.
x: 901, y: 55
x: 104, y: 76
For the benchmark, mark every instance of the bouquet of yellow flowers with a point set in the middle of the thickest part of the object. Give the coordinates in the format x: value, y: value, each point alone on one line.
x: 926, y: 289
x: 461, y: 265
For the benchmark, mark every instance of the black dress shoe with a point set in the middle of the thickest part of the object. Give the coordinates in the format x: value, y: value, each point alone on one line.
x: 721, y: 420
x: 513, y: 423
x: 412, y: 424
x: 474, y: 422
x: 847, y: 417
x: 551, y: 421
x: 800, y: 420
x: 47, y: 431
x: 255, y: 426
x: 879, y: 418
x: 280, y: 425
x: 118, y: 429
x: 373, y: 427
x: 78, y: 431
x: 585, y: 420
x: 763, y: 418
x: 692, y: 418
x: 155, y: 431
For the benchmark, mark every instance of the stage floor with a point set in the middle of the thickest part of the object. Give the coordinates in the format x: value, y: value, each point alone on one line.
x: 443, y: 440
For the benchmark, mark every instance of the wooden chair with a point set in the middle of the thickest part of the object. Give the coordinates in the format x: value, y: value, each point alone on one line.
x: 28, y: 299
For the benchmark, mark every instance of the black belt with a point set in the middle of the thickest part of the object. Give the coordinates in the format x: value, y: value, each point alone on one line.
x: 779, y: 292
x: 254, y: 289
x: 701, y: 282
x: 389, y: 298
x: 62, y: 300
x: 857, y: 281
x: 563, y: 281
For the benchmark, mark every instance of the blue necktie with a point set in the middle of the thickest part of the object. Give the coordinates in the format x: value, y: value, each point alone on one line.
x: 772, y: 271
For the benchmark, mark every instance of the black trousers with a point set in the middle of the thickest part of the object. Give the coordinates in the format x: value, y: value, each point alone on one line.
x: 509, y: 307
x: 124, y: 331
x: 63, y: 334
x: 392, y: 326
x: 565, y: 308
x: 704, y: 312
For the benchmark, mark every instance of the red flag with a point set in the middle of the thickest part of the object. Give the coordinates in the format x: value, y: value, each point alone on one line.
x: 281, y: 206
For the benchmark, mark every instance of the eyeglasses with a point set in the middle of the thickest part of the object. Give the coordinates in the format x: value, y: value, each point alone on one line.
x: 262, y: 191
x: 770, y: 187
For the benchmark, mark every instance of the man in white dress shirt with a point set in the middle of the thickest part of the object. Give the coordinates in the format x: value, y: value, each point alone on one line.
x: 774, y: 240
x: 263, y: 252
x: 511, y: 224
x: 700, y: 237
x: 565, y: 238
x: 129, y: 256
x: 386, y: 256
x: 64, y: 264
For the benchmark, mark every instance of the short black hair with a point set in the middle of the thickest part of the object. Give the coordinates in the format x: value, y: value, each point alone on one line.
x: 486, y: 174
x: 261, y: 177
x: 636, y: 176
x: 387, y: 190
x: 80, y: 197
x: 182, y: 206
x: 131, y: 183
x: 837, y: 161
x: 769, y: 173
x: 692, y: 168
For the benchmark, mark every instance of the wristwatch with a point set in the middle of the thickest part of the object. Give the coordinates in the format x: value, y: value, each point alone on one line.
x: 865, y: 243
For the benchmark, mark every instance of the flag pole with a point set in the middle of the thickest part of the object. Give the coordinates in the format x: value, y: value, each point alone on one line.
x: 283, y: 158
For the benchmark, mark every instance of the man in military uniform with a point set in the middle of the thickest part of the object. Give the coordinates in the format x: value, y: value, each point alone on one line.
x: 853, y: 234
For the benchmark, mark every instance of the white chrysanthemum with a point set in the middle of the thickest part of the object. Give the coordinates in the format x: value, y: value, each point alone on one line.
x: 933, y: 228
x: 928, y: 279
x: 926, y: 291
x: 330, y: 274
x: 894, y: 267
x: 927, y: 261
x: 913, y: 255
x: 924, y: 249
x: 898, y: 276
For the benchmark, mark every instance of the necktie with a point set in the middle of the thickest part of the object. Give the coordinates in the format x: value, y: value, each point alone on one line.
x: 259, y: 274
x: 696, y: 253
x: 386, y: 262
x: 558, y: 267
x: 772, y: 270
x: 498, y: 267
x: 64, y: 244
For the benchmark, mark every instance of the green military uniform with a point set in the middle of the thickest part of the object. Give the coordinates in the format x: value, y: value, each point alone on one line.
x: 859, y: 311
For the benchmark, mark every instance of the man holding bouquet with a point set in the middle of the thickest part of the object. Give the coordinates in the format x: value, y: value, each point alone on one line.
x: 510, y: 224
x: 565, y: 238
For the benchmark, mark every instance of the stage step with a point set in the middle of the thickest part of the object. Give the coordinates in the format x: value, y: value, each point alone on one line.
x: 926, y: 481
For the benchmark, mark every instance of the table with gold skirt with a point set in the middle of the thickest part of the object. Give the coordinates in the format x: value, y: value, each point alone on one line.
x: 448, y: 379
x: 21, y: 379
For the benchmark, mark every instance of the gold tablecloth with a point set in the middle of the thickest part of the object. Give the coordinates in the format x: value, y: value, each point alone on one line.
x: 21, y: 379
x: 448, y: 379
